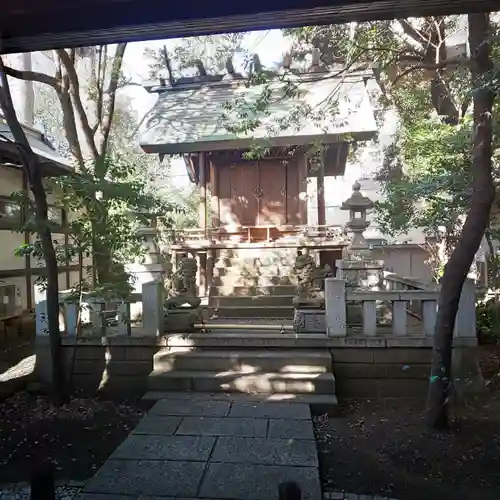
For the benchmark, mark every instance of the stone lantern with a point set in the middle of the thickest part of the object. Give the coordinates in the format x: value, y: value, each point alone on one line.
x: 357, y: 266
x: 358, y: 205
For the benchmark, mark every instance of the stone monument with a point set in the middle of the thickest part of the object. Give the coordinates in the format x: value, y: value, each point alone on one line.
x: 182, y: 306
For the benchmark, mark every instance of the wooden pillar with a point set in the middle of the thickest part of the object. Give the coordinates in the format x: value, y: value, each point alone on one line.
x: 214, y: 202
x: 27, y: 258
x: 320, y: 193
x: 302, y: 189
x: 202, y: 179
x: 67, y: 260
x: 210, y: 260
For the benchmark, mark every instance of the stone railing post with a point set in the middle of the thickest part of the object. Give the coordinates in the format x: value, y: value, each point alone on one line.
x: 152, y: 308
x: 465, y: 323
x: 335, y: 307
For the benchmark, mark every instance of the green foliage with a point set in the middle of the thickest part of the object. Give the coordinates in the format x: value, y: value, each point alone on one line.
x: 433, y: 190
x: 488, y: 320
x: 116, y: 204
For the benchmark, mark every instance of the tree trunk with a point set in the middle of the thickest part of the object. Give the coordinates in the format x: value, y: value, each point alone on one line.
x: 32, y: 168
x: 473, y: 230
x: 49, y: 254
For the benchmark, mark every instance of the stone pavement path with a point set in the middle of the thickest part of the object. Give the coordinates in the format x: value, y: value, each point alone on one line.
x: 212, y: 449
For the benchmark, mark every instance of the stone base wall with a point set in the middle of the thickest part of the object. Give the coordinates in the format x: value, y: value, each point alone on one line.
x: 115, y: 366
x: 399, y: 371
x: 122, y: 365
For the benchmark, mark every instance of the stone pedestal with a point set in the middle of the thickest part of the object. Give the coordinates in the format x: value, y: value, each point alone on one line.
x: 181, y: 320
x: 309, y: 320
x: 365, y: 274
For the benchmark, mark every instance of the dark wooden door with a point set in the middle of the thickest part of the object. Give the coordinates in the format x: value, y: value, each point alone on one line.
x: 271, y: 193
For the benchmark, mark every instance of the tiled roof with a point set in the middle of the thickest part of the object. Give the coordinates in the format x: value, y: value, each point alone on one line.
x: 190, y: 118
x: 40, y: 146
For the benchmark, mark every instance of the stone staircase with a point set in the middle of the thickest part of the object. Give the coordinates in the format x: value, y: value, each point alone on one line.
x: 207, y: 363
x: 253, y: 283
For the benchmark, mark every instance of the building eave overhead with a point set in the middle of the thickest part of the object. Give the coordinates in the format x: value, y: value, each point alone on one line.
x: 33, y: 25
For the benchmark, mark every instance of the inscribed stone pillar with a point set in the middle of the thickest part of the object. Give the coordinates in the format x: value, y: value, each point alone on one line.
x: 152, y: 308
x: 335, y: 307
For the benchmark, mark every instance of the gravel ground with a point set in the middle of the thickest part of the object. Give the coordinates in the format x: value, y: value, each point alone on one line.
x: 21, y: 491
x: 76, y: 438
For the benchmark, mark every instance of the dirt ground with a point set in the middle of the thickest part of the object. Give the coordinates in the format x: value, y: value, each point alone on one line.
x: 373, y: 447
x: 382, y: 447
x: 77, y: 438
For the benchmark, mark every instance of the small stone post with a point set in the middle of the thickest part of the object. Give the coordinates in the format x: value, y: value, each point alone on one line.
x: 335, y: 307
x: 465, y: 323
x: 152, y: 308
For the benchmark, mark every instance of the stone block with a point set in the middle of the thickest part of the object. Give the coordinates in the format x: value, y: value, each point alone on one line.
x: 147, y: 477
x: 196, y: 408
x: 290, y: 429
x: 146, y: 447
x: 309, y: 320
x: 258, y: 451
x: 402, y: 355
x: 257, y: 482
x: 297, y: 411
x: 342, y: 355
x: 181, y: 321
x: 140, y: 353
x: 129, y: 368
x: 226, y: 426
x: 159, y: 426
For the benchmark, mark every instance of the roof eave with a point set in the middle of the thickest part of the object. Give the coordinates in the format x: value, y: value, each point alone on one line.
x: 245, y: 143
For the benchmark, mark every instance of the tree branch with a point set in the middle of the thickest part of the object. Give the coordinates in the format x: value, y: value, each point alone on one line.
x: 32, y: 76
x: 69, y: 120
x: 456, y: 61
x: 74, y: 92
x: 412, y: 32
x: 109, y: 110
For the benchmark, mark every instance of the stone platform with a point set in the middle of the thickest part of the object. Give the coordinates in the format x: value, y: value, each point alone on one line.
x: 192, y: 448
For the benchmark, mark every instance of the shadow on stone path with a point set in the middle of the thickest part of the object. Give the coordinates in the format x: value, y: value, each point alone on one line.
x: 212, y: 449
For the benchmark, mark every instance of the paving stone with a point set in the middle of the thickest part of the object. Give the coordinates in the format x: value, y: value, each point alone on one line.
x: 284, y: 428
x: 257, y: 482
x: 297, y: 411
x: 143, y: 447
x: 160, y: 426
x: 104, y: 496
x: 147, y: 477
x: 260, y: 451
x: 223, y: 426
x: 196, y: 408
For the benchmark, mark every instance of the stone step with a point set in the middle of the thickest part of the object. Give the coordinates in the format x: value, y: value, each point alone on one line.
x: 319, y: 403
x: 254, y: 271
x: 262, y: 281
x: 245, y: 362
x: 250, y: 291
x: 285, y: 312
x: 251, y: 339
x: 234, y: 381
x: 256, y: 300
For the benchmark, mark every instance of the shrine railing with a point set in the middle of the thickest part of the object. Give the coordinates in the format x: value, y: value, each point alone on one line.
x: 398, y: 301
x: 338, y: 298
x: 103, y: 317
x: 393, y: 282
x: 257, y: 234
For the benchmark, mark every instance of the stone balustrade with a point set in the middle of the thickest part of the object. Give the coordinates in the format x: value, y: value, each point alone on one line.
x: 401, y: 301
x: 96, y: 313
